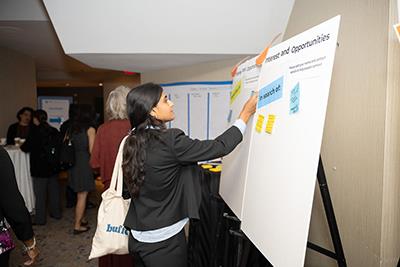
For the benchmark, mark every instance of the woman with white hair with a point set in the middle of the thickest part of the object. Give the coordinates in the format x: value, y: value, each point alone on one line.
x: 105, y: 148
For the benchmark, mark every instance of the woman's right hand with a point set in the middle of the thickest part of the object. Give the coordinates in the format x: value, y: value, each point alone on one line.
x: 249, y: 108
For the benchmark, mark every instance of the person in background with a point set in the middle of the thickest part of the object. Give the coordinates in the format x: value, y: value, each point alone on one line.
x: 12, y: 209
x: 22, y: 127
x: 105, y: 149
x: 43, y: 144
x: 81, y: 175
x: 156, y: 163
x: 73, y: 112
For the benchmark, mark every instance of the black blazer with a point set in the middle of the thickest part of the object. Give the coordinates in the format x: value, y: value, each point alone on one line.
x: 12, y: 205
x: 36, y: 144
x: 170, y: 191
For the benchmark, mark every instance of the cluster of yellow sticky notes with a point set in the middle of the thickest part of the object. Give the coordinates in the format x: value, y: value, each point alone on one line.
x: 236, y: 91
x: 270, y: 123
x: 259, y: 123
x: 206, y: 166
x: 217, y: 168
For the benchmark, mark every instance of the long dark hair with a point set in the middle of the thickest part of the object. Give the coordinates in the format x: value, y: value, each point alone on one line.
x: 83, y: 118
x: 139, y: 103
x: 44, y: 126
x: 41, y: 116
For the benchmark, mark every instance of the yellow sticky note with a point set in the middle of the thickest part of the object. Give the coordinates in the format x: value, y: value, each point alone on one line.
x: 270, y: 123
x: 236, y: 91
x: 259, y: 123
x: 215, y: 169
x: 207, y: 166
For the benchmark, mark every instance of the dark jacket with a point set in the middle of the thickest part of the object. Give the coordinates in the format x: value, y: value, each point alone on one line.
x: 12, y: 133
x: 12, y: 205
x: 37, y: 145
x: 170, y: 189
x: 64, y: 127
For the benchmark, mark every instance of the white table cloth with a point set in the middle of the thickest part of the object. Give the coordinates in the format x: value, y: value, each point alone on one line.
x: 20, y: 160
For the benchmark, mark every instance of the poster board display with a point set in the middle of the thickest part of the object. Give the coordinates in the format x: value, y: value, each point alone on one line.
x: 285, y: 143
x: 57, y: 108
x: 277, y: 168
x: 232, y: 183
x: 200, y: 108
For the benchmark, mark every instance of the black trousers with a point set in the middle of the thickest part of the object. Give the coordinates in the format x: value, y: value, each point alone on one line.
x: 171, y: 252
x: 44, y: 187
x: 4, y: 258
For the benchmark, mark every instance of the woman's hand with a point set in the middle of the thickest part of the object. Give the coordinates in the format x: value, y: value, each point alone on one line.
x: 249, y: 108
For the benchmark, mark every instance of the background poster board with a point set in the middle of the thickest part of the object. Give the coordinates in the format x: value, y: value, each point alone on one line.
x: 57, y: 108
x: 201, y: 108
x: 232, y: 183
x: 285, y: 143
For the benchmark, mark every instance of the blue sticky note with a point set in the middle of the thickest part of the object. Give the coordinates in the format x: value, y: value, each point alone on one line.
x: 270, y: 92
x: 230, y: 116
x: 294, y: 99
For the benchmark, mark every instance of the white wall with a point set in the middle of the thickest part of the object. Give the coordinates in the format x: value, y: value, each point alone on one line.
x: 390, y: 241
x: 361, y: 147
x: 17, y: 86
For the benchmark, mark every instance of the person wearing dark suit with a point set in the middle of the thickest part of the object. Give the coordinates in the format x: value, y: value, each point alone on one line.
x: 159, y: 166
x: 12, y: 208
x: 22, y: 127
x: 42, y: 144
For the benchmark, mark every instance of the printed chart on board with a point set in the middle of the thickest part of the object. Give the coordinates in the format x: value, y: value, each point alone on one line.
x: 201, y: 108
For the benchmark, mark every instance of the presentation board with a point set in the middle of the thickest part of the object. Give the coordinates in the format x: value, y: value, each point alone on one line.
x: 284, y: 140
x: 232, y: 183
x: 56, y: 107
x: 201, y: 108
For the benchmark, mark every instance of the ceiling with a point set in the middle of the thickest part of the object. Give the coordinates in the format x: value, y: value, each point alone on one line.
x: 84, y: 43
x: 144, y: 36
x: 25, y: 28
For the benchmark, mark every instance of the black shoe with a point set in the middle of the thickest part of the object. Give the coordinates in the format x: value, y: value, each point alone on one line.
x: 56, y: 217
x: 90, y: 205
x: 80, y: 231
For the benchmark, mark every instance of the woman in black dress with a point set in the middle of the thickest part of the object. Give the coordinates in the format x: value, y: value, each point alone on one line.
x: 80, y: 175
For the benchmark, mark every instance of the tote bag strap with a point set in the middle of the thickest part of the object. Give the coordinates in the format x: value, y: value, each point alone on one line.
x: 117, y: 175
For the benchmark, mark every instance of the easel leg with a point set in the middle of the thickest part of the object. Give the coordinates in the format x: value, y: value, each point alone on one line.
x: 330, y: 217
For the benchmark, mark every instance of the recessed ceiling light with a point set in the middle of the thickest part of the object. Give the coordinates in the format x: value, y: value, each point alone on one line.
x: 100, y: 84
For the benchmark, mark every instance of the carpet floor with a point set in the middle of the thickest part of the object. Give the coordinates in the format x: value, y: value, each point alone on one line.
x: 58, y: 246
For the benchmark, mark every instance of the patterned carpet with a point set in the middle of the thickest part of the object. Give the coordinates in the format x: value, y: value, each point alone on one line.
x: 58, y: 246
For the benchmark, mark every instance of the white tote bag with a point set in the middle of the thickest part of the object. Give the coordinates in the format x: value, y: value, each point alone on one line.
x: 111, y: 237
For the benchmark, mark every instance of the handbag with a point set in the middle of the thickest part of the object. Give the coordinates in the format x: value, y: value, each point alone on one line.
x: 111, y: 237
x: 6, y: 241
x: 67, y: 152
